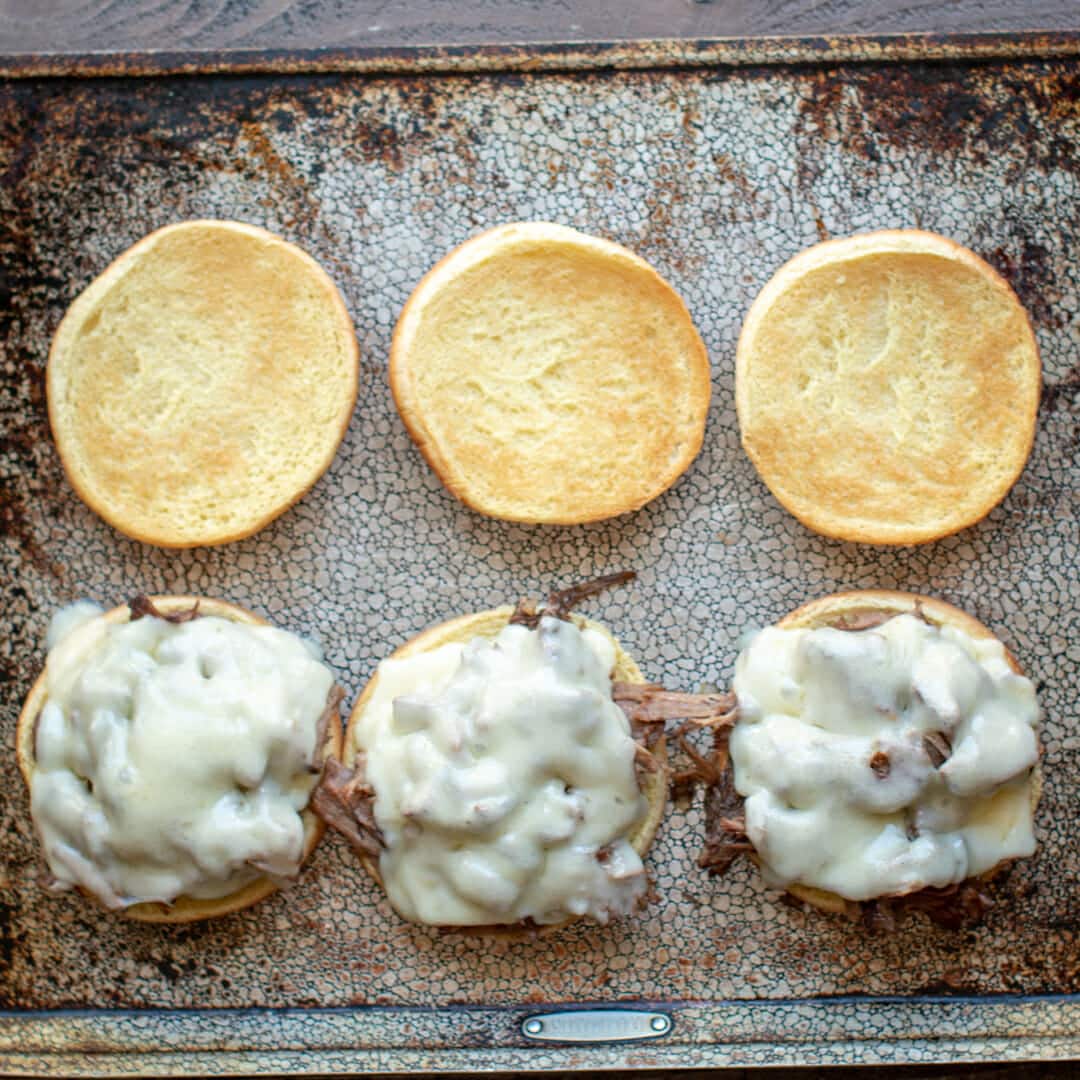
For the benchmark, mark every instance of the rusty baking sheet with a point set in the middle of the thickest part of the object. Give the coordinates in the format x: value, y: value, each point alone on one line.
x: 717, y: 174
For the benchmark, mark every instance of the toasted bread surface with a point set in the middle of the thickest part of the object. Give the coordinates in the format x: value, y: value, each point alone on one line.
x: 887, y: 386
x: 550, y: 376
x: 202, y: 383
x: 184, y: 908
x: 488, y: 624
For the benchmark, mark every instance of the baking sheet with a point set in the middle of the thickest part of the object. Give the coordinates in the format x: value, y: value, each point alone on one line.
x: 715, y: 174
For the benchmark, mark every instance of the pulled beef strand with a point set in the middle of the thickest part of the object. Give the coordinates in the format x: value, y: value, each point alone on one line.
x: 644, y: 761
x: 649, y: 707
x: 725, y: 824
x: 937, y: 747
x: 954, y: 907
x: 652, y: 702
x: 855, y: 621
x: 645, y: 765
x: 345, y: 801
x: 141, y: 606
x: 560, y: 604
x: 330, y: 714
x: 705, y: 770
x: 870, y: 618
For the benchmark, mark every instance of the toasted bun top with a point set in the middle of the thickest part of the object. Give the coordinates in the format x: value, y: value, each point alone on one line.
x: 202, y: 383
x: 488, y: 624
x: 184, y: 908
x: 887, y: 387
x: 550, y: 376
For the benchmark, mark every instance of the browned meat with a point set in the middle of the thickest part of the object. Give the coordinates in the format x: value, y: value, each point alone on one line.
x: 937, y: 747
x: 141, y: 606
x: 345, y: 801
x: 880, y: 765
x: 725, y: 826
x: 867, y: 620
x: 329, y: 716
x: 560, y: 604
x: 648, y: 707
x: 954, y: 907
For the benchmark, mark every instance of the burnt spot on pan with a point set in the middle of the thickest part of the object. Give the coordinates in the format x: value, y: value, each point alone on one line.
x: 30, y: 476
x: 10, y: 936
x: 1061, y: 399
x: 945, y: 109
x: 16, y: 525
x: 1030, y: 269
x: 1063, y: 393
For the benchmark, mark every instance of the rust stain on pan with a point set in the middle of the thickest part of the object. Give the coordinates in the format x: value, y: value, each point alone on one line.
x: 1032, y: 273
x: 948, y: 108
x: 26, y: 473
x: 1065, y: 393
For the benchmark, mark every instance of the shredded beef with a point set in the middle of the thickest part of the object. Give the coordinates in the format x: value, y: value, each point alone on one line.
x: 869, y: 618
x: 861, y: 620
x: 937, y: 747
x: 645, y: 765
x: 527, y: 927
x: 330, y: 715
x: 954, y: 907
x: 345, y: 801
x: 560, y: 604
x: 648, y: 707
x: 141, y: 606
x: 705, y: 770
x: 725, y: 825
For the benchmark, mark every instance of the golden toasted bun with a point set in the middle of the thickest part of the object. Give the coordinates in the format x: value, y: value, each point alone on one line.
x: 887, y: 387
x: 184, y: 908
x: 549, y: 376
x: 846, y: 608
x: 488, y: 624
x: 201, y: 384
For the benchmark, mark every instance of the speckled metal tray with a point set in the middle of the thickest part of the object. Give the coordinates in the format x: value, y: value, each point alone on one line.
x: 717, y: 169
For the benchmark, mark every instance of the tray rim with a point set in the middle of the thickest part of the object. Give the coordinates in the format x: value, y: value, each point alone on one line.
x: 387, y: 1039
x: 551, y: 56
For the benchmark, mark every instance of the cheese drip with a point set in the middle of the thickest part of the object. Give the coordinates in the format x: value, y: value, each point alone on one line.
x: 174, y: 759
x: 835, y: 752
x: 504, y: 780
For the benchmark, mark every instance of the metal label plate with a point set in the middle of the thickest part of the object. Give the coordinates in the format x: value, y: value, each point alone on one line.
x: 596, y: 1025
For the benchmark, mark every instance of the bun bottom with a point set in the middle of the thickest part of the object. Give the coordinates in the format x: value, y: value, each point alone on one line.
x: 488, y: 624
x: 183, y: 909
x: 852, y: 609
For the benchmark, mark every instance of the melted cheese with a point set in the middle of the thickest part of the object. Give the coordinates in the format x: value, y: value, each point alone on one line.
x: 841, y: 791
x: 174, y: 759
x: 504, y: 780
